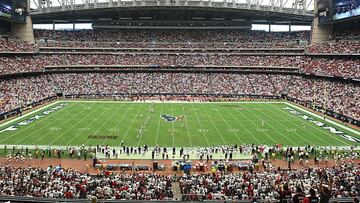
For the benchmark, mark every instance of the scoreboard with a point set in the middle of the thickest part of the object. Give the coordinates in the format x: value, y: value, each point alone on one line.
x: 13, y: 10
x: 331, y: 11
x: 5, y: 9
x: 324, y: 11
x: 344, y: 9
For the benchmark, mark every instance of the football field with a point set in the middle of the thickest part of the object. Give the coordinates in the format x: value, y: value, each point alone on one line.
x: 73, y: 123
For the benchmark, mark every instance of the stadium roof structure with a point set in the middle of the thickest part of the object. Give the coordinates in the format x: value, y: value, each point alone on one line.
x: 258, y: 11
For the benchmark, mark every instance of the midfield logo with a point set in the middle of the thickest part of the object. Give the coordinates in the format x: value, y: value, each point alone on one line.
x: 169, y: 118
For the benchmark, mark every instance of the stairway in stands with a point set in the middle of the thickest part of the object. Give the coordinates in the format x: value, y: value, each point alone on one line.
x: 177, y: 190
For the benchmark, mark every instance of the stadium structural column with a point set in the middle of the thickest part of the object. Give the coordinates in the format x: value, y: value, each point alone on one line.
x: 24, y: 31
x: 289, y: 27
x: 320, y: 33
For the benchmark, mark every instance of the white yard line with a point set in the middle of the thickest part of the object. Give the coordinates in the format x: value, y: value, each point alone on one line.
x: 68, y: 129
x: 237, y: 120
x: 172, y: 125
x: 127, y: 111
x: 106, y: 122
x: 271, y: 138
x: 222, y: 137
x: 187, y: 127
x: 144, y: 124
x: 292, y: 123
x: 158, y: 127
x: 54, y: 121
x: 115, y: 128
x: 132, y: 122
x: 207, y: 141
x: 90, y: 124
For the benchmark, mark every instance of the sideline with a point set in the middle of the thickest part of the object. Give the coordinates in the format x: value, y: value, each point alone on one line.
x: 327, y: 120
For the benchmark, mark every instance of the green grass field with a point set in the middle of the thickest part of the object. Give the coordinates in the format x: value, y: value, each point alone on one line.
x: 203, y: 124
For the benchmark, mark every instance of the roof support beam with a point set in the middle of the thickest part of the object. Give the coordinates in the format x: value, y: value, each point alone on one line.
x: 299, y: 7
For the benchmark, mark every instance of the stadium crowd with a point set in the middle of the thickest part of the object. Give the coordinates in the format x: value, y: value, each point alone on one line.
x: 204, y: 39
x: 332, y: 66
x: 336, y: 67
x: 172, y: 39
x: 341, y: 42
x: 338, y: 96
x: 286, y: 186
x: 38, y: 62
x: 9, y: 43
x: 184, y: 39
x: 336, y: 47
x: 217, y: 182
x: 346, y: 42
x: 335, y: 95
x: 202, y: 45
x: 348, y: 34
x: 22, y: 92
x: 172, y: 36
x: 269, y: 185
x: 56, y: 182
